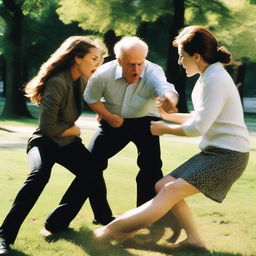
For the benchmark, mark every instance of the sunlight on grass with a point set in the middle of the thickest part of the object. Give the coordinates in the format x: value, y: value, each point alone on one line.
x: 229, y: 228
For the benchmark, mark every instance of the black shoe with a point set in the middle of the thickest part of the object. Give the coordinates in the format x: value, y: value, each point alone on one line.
x: 4, y: 247
x: 103, y: 222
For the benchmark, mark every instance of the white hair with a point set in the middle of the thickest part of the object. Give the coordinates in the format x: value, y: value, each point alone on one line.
x: 128, y: 42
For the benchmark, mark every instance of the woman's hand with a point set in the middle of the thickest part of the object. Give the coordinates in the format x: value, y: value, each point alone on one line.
x: 76, y: 130
x: 164, y: 115
x: 158, y: 128
x: 72, y: 131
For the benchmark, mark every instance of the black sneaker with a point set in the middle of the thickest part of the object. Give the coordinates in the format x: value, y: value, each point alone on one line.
x: 103, y: 222
x: 4, y: 247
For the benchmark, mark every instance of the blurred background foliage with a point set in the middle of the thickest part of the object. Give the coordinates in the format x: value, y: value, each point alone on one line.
x: 30, y: 30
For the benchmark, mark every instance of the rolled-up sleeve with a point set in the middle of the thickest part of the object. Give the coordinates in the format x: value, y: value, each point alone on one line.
x: 93, y: 91
x: 160, y: 84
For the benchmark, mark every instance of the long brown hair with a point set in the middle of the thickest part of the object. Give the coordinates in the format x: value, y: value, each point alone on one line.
x: 62, y: 58
x: 197, y: 39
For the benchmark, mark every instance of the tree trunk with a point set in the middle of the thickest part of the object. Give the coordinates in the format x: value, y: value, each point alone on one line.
x: 2, y: 74
x: 15, y: 104
x: 110, y: 39
x: 174, y: 72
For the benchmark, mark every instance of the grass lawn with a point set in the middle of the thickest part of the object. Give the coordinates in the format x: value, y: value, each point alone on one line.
x: 229, y: 228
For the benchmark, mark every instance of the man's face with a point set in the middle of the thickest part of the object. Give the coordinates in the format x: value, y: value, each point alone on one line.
x: 132, y: 62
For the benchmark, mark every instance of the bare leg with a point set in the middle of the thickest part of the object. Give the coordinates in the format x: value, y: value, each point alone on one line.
x: 131, y: 221
x: 185, y: 218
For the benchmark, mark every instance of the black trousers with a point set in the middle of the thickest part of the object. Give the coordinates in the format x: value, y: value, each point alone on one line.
x: 108, y: 141
x: 41, y: 157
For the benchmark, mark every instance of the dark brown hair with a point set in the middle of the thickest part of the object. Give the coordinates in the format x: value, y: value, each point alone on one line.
x: 197, y: 39
x: 62, y: 58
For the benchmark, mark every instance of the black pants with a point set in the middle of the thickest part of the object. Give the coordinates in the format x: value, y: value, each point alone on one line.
x: 108, y: 141
x: 41, y: 157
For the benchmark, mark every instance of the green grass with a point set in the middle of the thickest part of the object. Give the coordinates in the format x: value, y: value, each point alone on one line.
x: 229, y: 228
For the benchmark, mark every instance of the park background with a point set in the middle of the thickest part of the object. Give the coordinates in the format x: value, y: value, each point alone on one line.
x: 30, y: 30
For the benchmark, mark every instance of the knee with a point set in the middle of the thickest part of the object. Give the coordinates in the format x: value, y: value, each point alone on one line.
x: 159, y: 185
x: 173, y: 190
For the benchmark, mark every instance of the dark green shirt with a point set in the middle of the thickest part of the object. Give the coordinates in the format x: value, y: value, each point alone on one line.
x: 60, y: 107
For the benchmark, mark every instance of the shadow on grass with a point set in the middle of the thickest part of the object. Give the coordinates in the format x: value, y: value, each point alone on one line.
x: 84, y: 239
x: 157, y: 238
x: 166, y: 228
x: 15, y: 252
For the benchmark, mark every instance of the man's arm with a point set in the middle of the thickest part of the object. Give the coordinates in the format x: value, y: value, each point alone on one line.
x: 113, y: 120
x: 165, y: 91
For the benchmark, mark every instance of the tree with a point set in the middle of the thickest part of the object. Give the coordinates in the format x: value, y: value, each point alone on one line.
x: 129, y: 17
x: 15, y: 104
x: 240, y: 36
x: 174, y: 72
x: 189, y: 12
x: 121, y: 16
x: 42, y: 35
x: 13, y: 12
x: 117, y: 18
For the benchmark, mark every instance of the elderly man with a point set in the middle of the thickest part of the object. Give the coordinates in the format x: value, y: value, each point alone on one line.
x: 123, y: 92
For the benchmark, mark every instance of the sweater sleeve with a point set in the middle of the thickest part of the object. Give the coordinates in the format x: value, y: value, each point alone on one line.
x: 210, y: 102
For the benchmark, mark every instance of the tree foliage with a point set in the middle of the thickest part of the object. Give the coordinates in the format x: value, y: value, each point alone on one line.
x: 130, y: 17
x: 12, y: 13
x: 206, y: 12
x: 233, y: 22
x: 43, y: 35
x: 240, y: 37
x: 121, y: 16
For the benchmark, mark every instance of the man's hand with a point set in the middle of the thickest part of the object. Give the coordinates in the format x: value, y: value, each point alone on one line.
x: 115, y: 121
x: 165, y: 105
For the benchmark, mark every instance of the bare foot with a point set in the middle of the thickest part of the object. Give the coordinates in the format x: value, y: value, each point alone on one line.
x: 106, y: 234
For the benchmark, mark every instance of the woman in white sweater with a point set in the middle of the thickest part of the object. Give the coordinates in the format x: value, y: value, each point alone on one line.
x: 218, y: 118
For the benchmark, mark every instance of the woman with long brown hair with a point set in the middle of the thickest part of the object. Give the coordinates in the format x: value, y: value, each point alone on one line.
x: 57, y: 89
